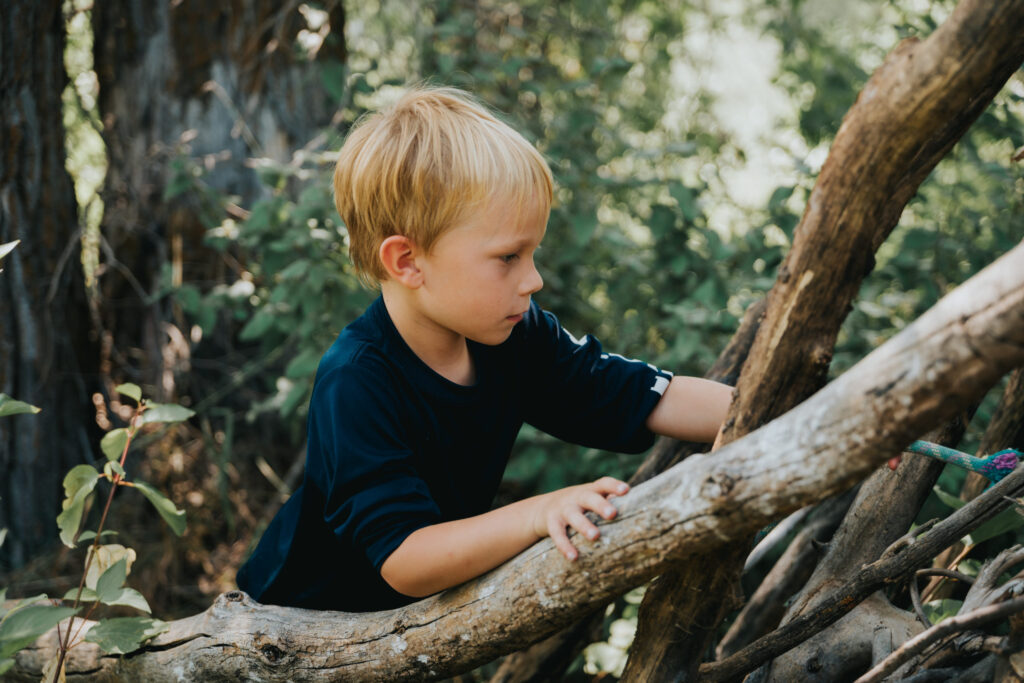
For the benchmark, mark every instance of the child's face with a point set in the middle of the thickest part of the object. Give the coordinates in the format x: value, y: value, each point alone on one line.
x: 479, y: 276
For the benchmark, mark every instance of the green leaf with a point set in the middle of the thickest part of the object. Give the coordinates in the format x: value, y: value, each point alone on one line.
x: 303, y: 365
x: 949, y: 499
x: 89, y: 535
x: 1007, y: 520
x: 3, y: 535
x: 111, y: 468
x: 21, y: 627
x: 88, y: 595
x: 257, y: 326
x: 165, y: 412
x: 113, y: 442
x: 78, y: 484
x: 124, y: 634
x: 938, y: 610
x: 108, y: 586
x: 8, y: 247
x: 5, y: 664
x: 130, y: 390
x: 129, y: 597
x: 687, y: 200
x: 10, y: 406
x: 174, y: 517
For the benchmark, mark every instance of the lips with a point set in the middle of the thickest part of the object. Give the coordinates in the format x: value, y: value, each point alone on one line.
x: 515, y: 318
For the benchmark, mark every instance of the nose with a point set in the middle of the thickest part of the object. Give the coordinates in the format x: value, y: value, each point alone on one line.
x: 533, y: 281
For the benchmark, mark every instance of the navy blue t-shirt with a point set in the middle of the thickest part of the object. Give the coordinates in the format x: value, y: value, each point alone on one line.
x: 394, y: 447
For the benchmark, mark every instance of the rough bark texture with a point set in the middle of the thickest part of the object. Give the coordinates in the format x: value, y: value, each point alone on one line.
x: 941, y: 362
x: 766, y: 607
x: 909, y: 114
x: 48, y: 356
x: 216, y: 82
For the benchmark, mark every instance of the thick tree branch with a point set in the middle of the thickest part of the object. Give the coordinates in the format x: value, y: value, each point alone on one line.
x: 940, y: 362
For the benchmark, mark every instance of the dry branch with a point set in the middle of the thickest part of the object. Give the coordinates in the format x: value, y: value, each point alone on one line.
x: 961, y: 622
x: 894, y: 565
x: 937, y: 364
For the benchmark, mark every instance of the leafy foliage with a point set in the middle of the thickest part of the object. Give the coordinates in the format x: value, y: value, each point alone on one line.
x: 106, y: 566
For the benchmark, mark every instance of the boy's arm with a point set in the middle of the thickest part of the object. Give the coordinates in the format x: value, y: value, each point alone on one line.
x: 444, y: 555
x: 691, y: 409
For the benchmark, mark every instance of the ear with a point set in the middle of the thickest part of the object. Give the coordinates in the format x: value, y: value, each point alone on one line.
x: 398, y: 255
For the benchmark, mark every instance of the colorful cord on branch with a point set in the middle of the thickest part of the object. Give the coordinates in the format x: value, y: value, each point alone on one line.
x: 993, y: 467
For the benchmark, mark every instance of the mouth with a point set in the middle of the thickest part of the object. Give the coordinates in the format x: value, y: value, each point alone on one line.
x: 514, y: 318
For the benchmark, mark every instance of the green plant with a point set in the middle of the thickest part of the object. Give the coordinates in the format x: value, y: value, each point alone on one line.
x: 106, y: 565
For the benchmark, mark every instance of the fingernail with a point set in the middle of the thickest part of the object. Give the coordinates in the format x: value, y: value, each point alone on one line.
x: 592, y: 534
x: 608, y: 512
x: 623, y: 488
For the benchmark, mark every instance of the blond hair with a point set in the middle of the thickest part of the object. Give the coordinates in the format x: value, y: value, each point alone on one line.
x: 418, y: 167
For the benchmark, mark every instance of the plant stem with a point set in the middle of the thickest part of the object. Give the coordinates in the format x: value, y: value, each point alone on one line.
x: 65, y: 645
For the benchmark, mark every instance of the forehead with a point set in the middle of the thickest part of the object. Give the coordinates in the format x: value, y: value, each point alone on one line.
x: 503, y: 221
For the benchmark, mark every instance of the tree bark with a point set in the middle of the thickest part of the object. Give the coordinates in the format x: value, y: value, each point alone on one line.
x: 48, y: 352
x: 218, y: 83
x: 944, y: 360
x: 907, y: 117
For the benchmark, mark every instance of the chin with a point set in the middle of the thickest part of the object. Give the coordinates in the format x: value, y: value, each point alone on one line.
x: 493, y: 339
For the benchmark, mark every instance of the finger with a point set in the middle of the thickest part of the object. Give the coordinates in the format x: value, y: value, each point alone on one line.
x: 556, y: 530
x: 591, y: 500
x: 580, y: 523
x: 610, y: 486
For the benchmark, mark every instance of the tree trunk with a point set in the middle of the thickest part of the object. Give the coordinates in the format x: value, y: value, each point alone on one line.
x: 908, y: 116
x: 943, y: 361
x: 216, y: 83
x: 49, y: 353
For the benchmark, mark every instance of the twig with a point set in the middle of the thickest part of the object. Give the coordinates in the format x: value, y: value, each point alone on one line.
x: 931, y: 588
x: 915, y: 593
x: 773, y: 537
x: 869, y: 579
x: 961, y: 622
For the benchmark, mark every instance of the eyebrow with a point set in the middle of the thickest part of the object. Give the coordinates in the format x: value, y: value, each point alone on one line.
x: 513, y: 246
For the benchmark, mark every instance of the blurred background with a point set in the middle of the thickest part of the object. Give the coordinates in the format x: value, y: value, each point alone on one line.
x: 178, y: 229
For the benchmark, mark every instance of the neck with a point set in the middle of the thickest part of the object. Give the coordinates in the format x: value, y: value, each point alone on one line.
x: 443, y: 351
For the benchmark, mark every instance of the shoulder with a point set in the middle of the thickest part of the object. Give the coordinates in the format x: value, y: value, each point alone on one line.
x: 358, y: 364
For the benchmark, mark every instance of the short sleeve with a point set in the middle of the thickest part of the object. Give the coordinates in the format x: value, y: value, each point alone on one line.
x: 580, y: 393
x: 359, y: 457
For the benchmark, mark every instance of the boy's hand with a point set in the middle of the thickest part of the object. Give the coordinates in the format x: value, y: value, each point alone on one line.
x: 566, y: 507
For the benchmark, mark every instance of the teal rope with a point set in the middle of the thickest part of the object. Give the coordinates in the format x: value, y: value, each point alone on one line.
x: 993, y: 467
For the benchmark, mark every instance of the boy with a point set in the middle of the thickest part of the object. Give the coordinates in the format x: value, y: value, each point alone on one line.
x: 416, y: 405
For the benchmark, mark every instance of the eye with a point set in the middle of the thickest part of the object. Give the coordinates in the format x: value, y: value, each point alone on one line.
x: 509, y: 258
